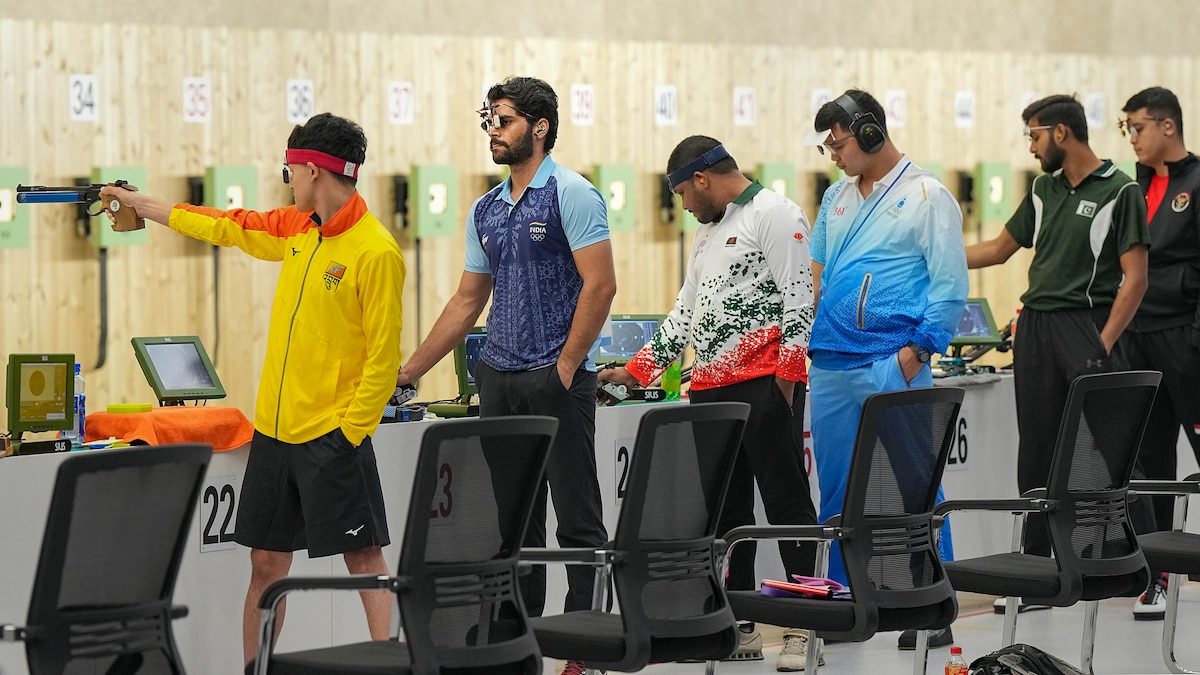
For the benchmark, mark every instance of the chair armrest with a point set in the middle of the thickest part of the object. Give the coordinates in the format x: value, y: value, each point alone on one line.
x: 1020, y: 505
x: 1166, y: 487
x: 11, y: 633
x: 178, y: 612
x: 785, y: 533
x: 357, y: 582
x: 1035, y: 493
x: 575, y: 556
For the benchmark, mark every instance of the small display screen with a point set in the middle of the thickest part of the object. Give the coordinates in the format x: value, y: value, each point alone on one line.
x: 179, y: 366
x: 474, y: 350
x: 42, y: 393
x: 628, y: 338
x: 973, y: 322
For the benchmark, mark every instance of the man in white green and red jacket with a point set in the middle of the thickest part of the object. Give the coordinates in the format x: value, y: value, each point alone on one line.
x: 333, y: 349
x: 746, y: 308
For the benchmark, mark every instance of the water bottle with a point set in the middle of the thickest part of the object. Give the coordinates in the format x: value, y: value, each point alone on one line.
x: 957, y: 665
x: 670, y: 381
x: 79, y: 431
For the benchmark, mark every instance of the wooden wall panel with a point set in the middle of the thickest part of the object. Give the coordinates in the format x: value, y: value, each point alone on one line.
x: 50, y: 290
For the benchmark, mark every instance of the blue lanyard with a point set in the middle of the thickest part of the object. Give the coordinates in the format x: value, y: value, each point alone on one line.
x: 859, y: 226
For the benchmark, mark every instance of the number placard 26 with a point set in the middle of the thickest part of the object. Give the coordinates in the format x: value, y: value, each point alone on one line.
x: 218, y: 512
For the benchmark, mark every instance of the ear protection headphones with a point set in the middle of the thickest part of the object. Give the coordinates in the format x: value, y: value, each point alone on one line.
x: 864, y: 126
x: 541, y: 127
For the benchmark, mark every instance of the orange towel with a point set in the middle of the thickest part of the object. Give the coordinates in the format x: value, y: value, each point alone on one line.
x: 223, y: 428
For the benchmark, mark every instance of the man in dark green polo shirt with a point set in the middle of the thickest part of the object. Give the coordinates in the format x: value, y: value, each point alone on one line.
x: 1087, y: 223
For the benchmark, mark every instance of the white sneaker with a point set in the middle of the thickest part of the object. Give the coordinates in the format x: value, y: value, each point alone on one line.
x: 1152, y: 605
x: 794, y: 656
x: 749, y: 647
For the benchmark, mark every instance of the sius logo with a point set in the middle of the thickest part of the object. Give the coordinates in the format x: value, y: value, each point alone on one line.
x: 537, y: 231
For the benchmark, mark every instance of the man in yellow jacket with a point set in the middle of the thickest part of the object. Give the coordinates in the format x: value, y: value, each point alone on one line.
x: 332, y: 354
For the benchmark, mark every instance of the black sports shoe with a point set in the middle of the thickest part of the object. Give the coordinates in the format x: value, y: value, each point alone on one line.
x: 1001, y: 603
x: 937, y: 638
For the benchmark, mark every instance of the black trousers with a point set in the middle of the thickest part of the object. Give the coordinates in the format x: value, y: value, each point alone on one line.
x: 1050, y: 351
x: 1177, y: 404
x: 570, y: 470
x: 771, y: 453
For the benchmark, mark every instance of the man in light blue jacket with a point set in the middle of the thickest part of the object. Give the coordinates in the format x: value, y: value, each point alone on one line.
x: 891, y: 277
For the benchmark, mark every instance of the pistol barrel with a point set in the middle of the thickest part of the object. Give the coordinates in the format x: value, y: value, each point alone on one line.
x: 65, y: 197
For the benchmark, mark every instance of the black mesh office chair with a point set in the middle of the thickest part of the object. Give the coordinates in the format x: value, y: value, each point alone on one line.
x: 1173, y: 551
x: 886, y: 531
x: 1096, y: 554
x: 471, y: 499
x: 663, y: 560
x: 114, y: 539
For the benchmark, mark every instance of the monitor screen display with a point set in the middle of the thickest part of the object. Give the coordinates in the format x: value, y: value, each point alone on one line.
x: 179, y: 365
x: 40, y: 392
x: 177, y: 368
x: 630, y: 332
x: 43, y: 392
x: 473, y: 351
x: 976, y: 325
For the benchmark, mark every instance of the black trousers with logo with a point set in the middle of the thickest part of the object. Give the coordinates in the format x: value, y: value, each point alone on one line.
x: 1051, y: 349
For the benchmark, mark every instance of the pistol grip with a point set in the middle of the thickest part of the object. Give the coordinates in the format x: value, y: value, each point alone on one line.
x: 125, y: 217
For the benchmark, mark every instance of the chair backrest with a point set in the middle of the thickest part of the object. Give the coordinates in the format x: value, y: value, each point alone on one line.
x: 115, y: 535
x: 891, y: 556
x: 1094, y: 455
x: 667, y: 582
x: 471, y: 501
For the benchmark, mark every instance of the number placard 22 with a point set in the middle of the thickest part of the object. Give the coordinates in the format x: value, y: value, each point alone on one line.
x: 218, y: 512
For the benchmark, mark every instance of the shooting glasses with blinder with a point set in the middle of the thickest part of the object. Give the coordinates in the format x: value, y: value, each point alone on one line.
x: 699, y: 164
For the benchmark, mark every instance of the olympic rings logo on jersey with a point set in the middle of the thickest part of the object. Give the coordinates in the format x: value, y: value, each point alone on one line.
x: 537, y: 231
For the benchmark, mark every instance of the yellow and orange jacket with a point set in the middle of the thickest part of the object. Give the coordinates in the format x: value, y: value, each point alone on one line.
x: 333, y: 348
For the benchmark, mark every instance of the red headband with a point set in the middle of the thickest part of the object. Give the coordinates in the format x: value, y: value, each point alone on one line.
x: 323, y: 161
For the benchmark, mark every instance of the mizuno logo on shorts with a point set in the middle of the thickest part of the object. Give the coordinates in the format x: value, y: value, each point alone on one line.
x: 355, y: 531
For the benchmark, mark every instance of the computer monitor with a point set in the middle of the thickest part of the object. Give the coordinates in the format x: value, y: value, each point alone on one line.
x: 466, y: 358
x: 976, y: 327
x: 40, y: 390
x: 630, y: 332
x: 177, y: 368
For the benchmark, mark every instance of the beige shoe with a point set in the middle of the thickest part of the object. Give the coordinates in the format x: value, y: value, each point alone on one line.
x: 749, y: 647
x: 794, y: 656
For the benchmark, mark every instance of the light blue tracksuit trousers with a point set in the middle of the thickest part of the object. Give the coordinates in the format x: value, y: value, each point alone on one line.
x: 836, y: 399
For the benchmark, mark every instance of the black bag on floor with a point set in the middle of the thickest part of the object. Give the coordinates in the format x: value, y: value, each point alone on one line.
x: 1021, y: 659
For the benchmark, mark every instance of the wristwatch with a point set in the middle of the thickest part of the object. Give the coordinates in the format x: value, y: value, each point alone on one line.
x: 920, y: 352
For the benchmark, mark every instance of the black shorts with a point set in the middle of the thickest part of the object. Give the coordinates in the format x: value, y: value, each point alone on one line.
x: 323, y: 495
